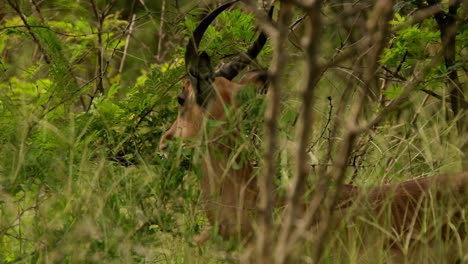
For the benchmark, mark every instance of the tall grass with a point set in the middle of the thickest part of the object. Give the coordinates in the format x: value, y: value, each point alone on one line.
x: 94, y: 188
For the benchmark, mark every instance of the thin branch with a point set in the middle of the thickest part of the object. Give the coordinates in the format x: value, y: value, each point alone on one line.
x: 38, y: 10
x: 295, y: 193
x: 407, y: 89
x: 102, y: 68
x: 159, y: 56
x: 263, y: 21
x: 330, y: 111
x: 127, y: 41
x: 52, y: 30
x: 100, y: 17
x: 29, y: 28
x: 378, y: 25
x: 266, y: 183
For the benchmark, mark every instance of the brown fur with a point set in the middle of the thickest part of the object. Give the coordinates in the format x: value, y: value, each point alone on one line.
x: 403, y: 206
x: 230, y: 196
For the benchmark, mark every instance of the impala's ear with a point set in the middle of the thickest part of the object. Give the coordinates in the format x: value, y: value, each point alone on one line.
x: 201, y: 76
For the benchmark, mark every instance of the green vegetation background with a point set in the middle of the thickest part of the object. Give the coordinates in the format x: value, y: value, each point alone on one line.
x: 81, y: 176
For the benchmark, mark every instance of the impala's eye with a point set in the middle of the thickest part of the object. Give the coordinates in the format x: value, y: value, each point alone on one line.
x: 180, y: 100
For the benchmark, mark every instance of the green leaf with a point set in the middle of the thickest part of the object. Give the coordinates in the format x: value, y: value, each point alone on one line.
x: 394, y: 91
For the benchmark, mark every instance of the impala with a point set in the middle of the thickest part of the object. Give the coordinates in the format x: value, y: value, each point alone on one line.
x: 230, y: 194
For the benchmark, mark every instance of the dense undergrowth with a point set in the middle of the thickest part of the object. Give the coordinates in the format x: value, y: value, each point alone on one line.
x: 82, y: 179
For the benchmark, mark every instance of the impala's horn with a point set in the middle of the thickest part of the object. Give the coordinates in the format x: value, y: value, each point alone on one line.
x: 198, y: 65
x: 239, y: 62
x: 191, y: 51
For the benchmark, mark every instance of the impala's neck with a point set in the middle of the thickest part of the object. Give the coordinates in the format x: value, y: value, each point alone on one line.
x: 223, y: 160
x: 228, y: 186
x: 223, y: 157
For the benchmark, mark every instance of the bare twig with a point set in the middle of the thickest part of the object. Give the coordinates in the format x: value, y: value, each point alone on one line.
x: 329, y: 118
x: 263, y: 21
x: 159, y: 56
x: 266, y: 183
x: 377, y: 24
x: 447, y: 23
x: 127, y: 42
x: 295, y: 193
x: 102, y: 67
x: 38, y: 10
x: 100, y: 17
x: 17, y: 9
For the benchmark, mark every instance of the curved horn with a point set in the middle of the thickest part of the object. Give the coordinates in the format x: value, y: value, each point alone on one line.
x: 232, y: 69
x: 191, y: 52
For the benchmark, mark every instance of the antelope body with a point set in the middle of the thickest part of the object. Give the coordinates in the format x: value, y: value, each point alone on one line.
x: 230, y: 195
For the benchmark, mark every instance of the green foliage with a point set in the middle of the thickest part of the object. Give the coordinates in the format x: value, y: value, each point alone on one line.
x: 416, y: 45
x: 237, y: 26
x: 393, y: 92
x: 82, y: 179
x: 68, y: 153
x: 61, y: 167
x: 410, y: 43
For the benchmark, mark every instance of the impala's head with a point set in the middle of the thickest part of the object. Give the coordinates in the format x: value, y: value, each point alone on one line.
x: 205, y: 91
